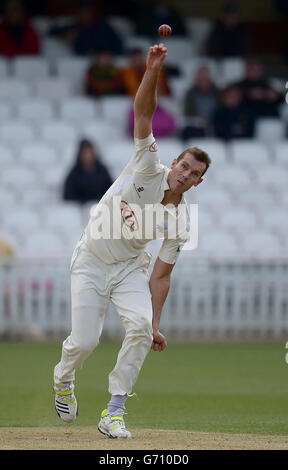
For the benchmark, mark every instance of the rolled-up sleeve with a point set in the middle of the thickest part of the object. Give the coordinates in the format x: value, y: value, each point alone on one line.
x: 170, y: 250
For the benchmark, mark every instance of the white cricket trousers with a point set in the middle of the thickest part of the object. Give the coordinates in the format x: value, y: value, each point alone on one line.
x: 93, y: 285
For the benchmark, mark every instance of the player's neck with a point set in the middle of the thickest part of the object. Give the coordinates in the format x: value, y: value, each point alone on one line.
x: 171, y: 198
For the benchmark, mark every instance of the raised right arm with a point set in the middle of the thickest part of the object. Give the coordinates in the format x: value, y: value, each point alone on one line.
x: 145, y: 102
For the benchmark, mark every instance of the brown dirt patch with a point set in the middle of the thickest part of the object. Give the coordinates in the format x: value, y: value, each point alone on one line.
x: 88, y: 438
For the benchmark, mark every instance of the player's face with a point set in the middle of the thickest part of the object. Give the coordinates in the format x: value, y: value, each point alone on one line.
x: 185, y: 173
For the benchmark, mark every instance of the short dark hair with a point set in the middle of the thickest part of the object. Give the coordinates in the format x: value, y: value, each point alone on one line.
x: 199, y: 155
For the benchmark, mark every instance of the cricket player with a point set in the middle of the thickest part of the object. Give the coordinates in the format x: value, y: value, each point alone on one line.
x: 110, y: 263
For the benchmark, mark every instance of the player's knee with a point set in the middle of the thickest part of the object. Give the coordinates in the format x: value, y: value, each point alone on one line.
x: 143, y: 329
x: 86, y: 347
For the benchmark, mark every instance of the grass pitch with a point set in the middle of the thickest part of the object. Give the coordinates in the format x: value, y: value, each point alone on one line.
x: 205, y: 387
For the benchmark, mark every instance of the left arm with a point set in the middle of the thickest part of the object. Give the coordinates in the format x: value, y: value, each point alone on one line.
x: 159, y: 286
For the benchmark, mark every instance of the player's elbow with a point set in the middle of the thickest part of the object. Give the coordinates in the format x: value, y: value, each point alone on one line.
x: 160, y: 282
x: 142, y: 126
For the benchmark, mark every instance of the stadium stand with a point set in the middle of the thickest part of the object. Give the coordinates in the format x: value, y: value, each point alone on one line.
x: 242, y: 202
x: 43, y: 114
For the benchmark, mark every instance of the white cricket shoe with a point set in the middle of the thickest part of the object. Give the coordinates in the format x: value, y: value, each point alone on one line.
x: 113, y: 425
x: 65, y: 402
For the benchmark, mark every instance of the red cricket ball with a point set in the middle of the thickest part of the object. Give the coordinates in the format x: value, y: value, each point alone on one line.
x: 164, y: 30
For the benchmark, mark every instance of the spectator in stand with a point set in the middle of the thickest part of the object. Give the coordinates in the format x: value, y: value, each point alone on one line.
x: 133, y: 74
x: 200, y: 103
x: 89, y: 32
x: 257, y: 91
x: 88, y: 179
x: 17, y: 36
x: 282, y: 8
x: 234, y: 118
x: 229, y: 37
x: 151, y: 16
x: 104, y: 77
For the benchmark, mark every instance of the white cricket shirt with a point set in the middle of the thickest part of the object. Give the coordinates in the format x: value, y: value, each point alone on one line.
x: 130, y: 213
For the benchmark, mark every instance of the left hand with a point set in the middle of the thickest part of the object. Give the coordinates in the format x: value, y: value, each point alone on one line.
x: 159, y: 341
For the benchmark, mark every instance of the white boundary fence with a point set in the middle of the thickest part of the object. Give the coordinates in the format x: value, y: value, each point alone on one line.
x: 205, y: 298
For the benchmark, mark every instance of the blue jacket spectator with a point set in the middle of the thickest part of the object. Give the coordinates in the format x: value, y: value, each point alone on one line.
x: 89, y: 33
x: 88, y: 179
x: 229, y: 37
x: 233, y: 118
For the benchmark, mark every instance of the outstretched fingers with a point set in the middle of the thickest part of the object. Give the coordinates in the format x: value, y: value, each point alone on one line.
x: 158, y: 48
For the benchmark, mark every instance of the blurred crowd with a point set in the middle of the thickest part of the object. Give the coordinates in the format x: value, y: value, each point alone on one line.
x: 207, y: 109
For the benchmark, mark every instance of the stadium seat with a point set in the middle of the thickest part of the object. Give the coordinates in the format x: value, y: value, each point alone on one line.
x: 215, y: 148
x: 280, y: 153
x: 115, y: 169
x: 275, y: 220
x: 123, y: 26
x: 272, y: 176
x: 59, y: 131
x: 53, y: 178
x: 119, y: 152
x: 20, y: 219
x: 270, y: 130
x: 141, y: 42
x: 206, y: 220
x: 172, y: 105
x: 4, y: 68
x: 30, y: 68
x: 19, y: 177
x: 261, y: 244
x: 256, y: 198
x: 78, y: 109
x: 179, y: 86
x: 179, y: 50
x: 116, y: 110
x: 54, y: 49
x: 5, y: 112
x: 64, y: 218
x: 43, y: 244
x: 7, y: 199
x: 283, y: 110
x: 101, y: 133
x: 219, y: 244
x: 38, y: 198
x: 16, y: 132
x: 53, y: 88
x: 231, y: 175
x: 42, y: 24
x: 73, y: 69
x: 13, y: 90
x: 169, y: 148
x: 284, y: 198
x: 38, y: 155
x: 249, y: 153
x: 198, y: 30
x: 238, y: 220
x: 214, y: 196
x: 231, y: 69
x: 7, y: 157
x: 35, y: 110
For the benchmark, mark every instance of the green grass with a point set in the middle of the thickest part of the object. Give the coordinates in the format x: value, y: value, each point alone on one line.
x: 227, y: 387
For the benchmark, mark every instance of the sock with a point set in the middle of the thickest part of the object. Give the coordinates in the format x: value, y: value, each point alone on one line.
x: 117, y: 402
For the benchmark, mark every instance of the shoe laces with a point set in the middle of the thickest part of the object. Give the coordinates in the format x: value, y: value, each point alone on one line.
x: 65, y: 391
x: 117, y: 417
